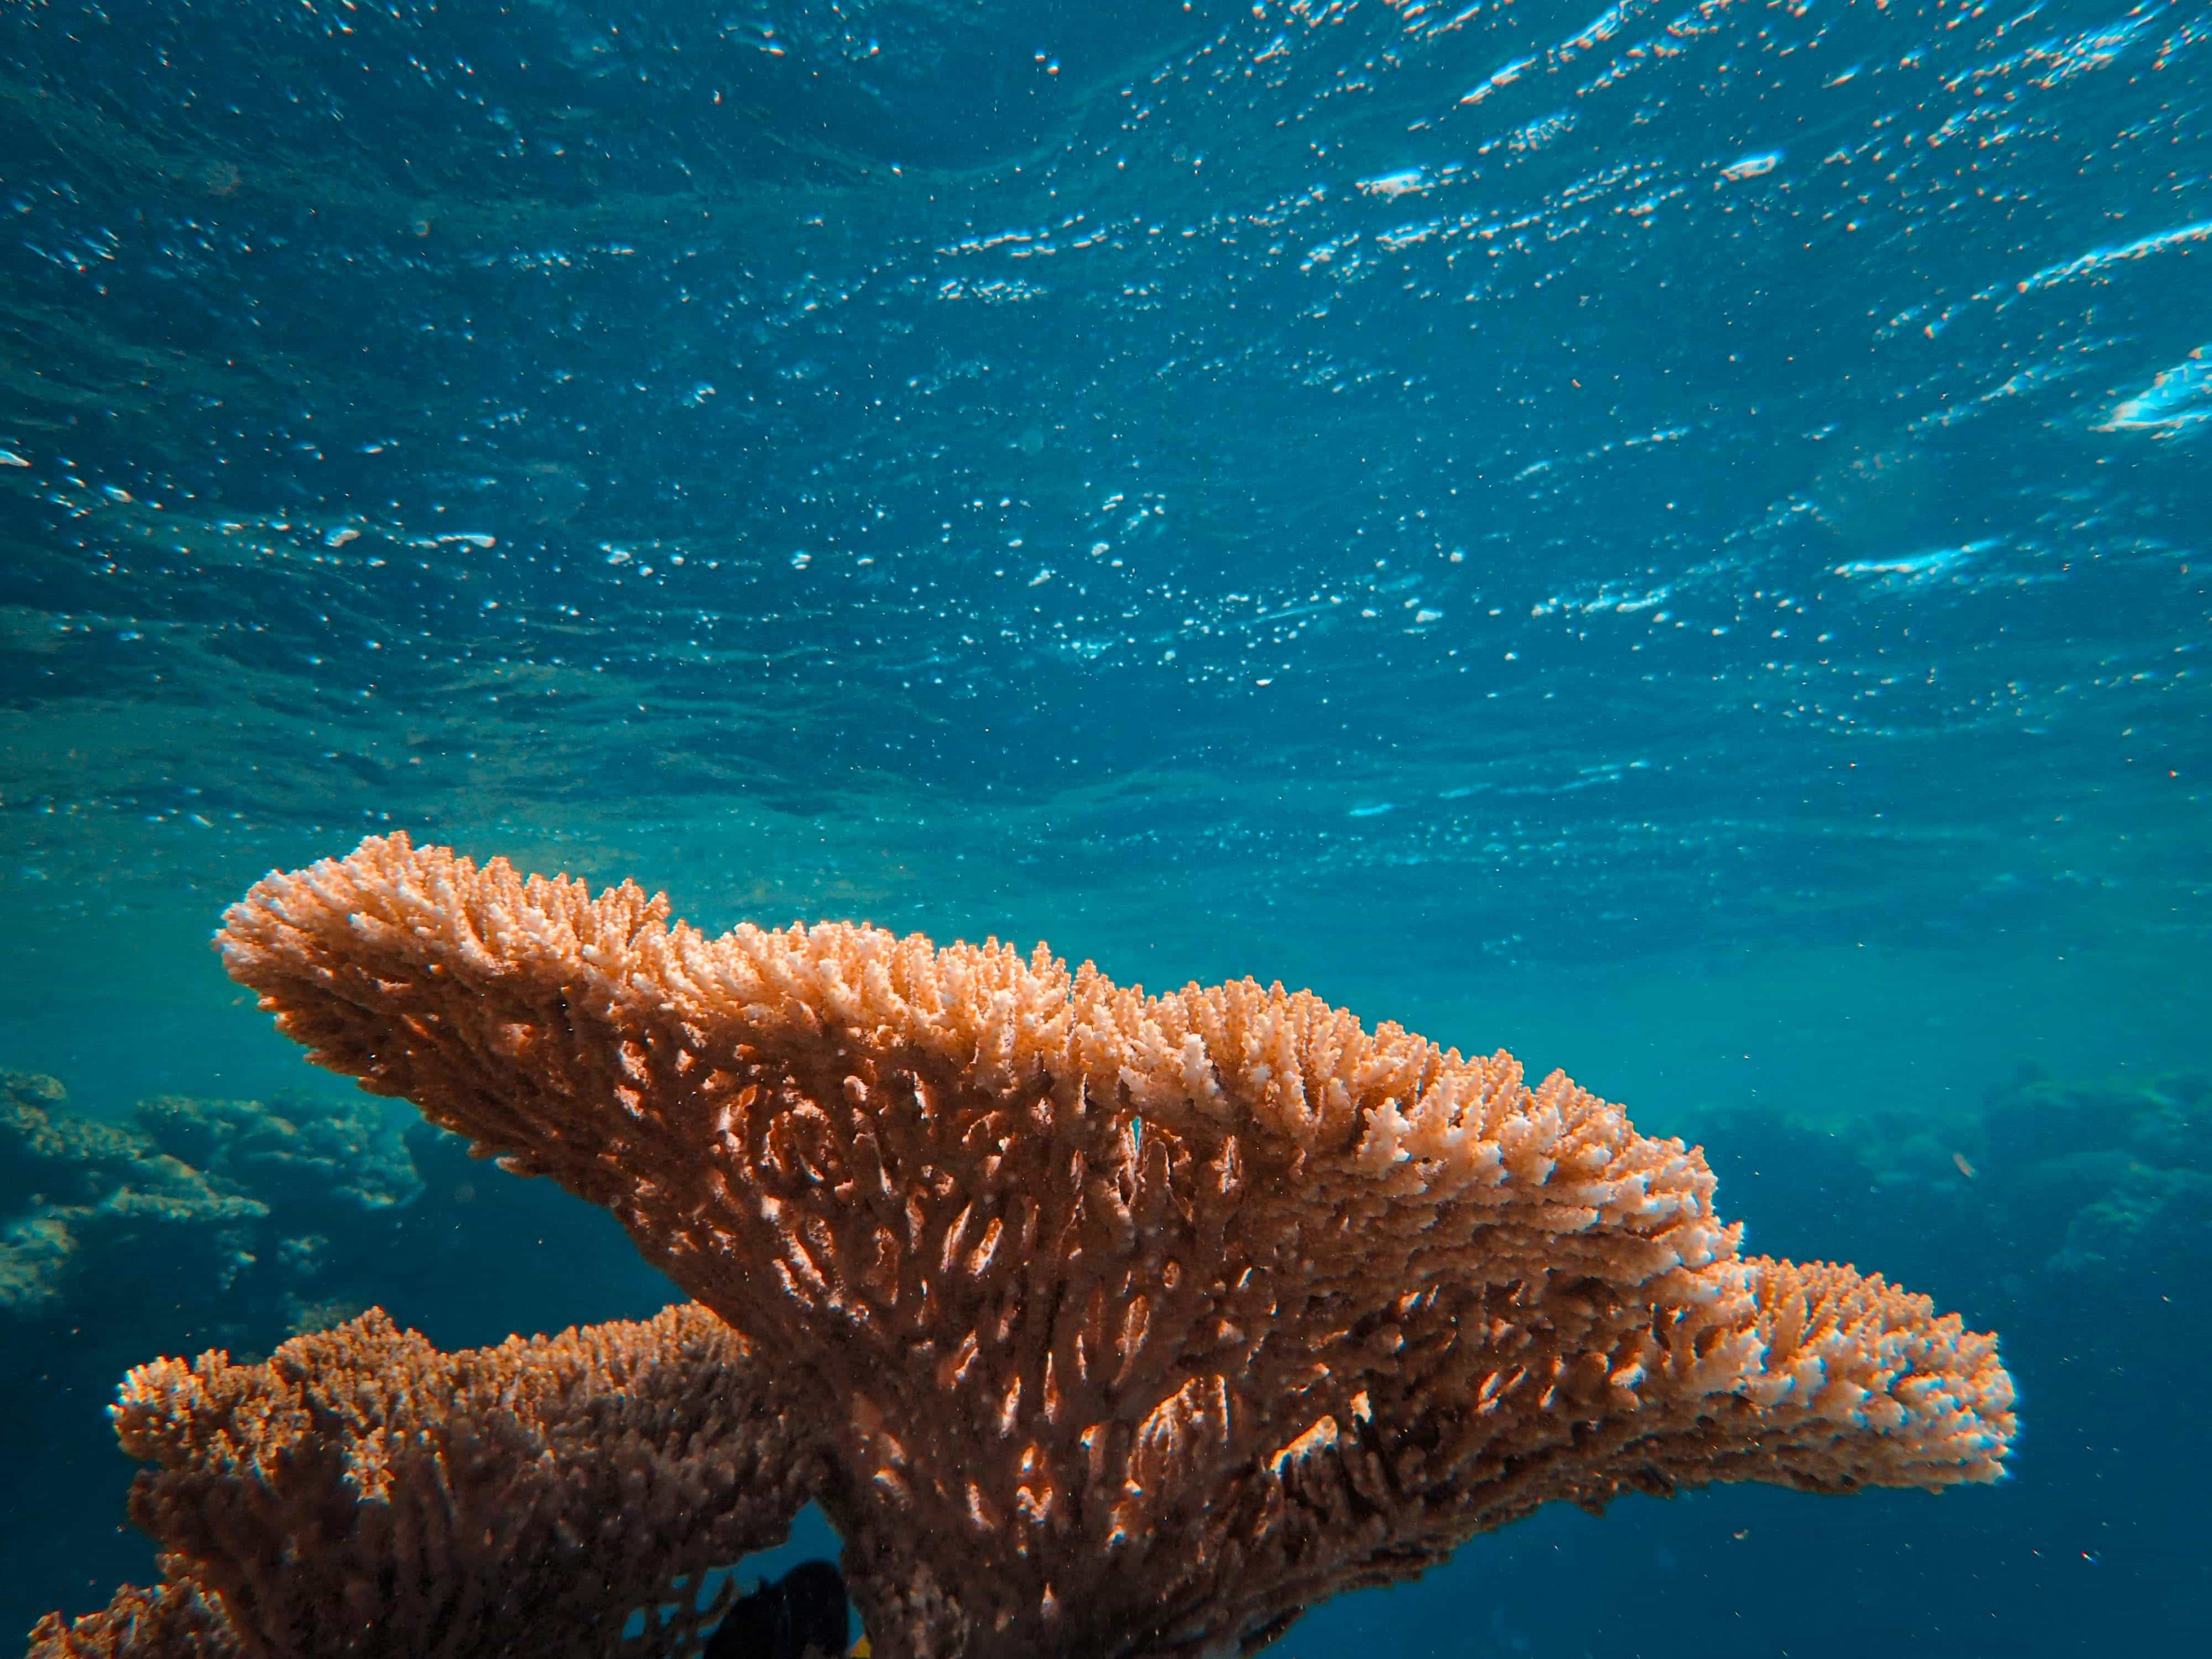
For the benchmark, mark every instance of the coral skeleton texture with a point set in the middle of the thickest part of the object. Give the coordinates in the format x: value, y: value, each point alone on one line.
x: 362, y: 1493
x: 1118, y: 1325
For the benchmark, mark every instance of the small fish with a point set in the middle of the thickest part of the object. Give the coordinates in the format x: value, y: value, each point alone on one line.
x: 1965, y: 1168
x: 805, y: 1611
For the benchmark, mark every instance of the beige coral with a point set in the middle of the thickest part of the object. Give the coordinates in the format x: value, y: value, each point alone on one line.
x: 361, y: 1493
x: 1124, y: 1324
x: 173, y: 1620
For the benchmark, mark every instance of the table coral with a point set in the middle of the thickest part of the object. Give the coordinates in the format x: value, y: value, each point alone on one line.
x: 1124, y: 1324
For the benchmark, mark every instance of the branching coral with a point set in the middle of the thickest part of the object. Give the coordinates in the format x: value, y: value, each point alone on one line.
x: 173, y: 1620
x: 1125, y: 1324
x: 361, y: 1493
x: 192, y: 1225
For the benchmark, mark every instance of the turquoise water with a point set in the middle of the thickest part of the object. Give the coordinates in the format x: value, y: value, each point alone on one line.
x: 1666, y: 538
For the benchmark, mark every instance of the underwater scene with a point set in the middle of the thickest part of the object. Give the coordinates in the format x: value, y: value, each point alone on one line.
x: 1665, y: 541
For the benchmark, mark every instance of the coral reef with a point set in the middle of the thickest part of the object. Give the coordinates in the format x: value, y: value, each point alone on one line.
x: 2072, y: 1185
x: 72, y: 1190
x: 1119, y: 1325
x: 172, y: 1622
x: 361, y: 1493
x: 219, y: 1182
x: 189, y: 1224
x: 149, y: 1232
x: 350, y: 1154
x: 2125, y: 1164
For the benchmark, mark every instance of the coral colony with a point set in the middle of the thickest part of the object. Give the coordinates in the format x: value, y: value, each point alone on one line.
x: 1097, y: 1323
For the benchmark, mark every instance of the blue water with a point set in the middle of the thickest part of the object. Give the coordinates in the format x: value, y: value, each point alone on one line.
x: 1670, y: 538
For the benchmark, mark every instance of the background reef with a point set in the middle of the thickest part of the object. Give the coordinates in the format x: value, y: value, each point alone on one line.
x: 2068, y: 1193
x: 193, y: 1224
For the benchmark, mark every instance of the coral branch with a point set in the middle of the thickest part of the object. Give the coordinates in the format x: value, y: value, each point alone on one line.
x: 361, y: 1493
x: 175, y: 1620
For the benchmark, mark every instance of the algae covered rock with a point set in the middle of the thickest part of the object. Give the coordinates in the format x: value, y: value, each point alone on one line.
x: 290, y: 1147
x: 75, y: 1192
x: 2106, y: 1176
x: 2050, y: 1182
x: 207, y: 1217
